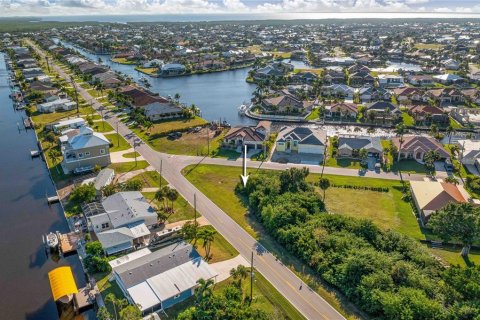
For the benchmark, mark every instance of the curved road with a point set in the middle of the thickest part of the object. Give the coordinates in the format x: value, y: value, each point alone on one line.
x: 307, y: 301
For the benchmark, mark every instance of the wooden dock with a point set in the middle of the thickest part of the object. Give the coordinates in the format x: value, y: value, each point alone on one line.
x: 69, y: 242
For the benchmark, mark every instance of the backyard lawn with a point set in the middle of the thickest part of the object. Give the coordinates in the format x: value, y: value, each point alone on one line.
x: 45, y: 118
x: 166, y: 126
x: 407, y: 119
x: 118, y: 142
x: 124, y: 167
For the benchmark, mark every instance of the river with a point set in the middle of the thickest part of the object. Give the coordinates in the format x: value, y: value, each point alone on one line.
x: 24, y: 218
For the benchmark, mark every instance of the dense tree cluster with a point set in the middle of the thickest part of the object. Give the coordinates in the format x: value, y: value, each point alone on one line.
x: 388, y: 275
x: 225, y: 305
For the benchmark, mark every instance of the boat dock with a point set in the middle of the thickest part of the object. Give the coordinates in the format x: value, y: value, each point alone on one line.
x: 53, y: 199
x: 69, y: 242
x: 27, y: 123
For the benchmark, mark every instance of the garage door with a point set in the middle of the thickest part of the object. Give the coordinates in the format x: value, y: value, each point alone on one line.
x: 310, y: 149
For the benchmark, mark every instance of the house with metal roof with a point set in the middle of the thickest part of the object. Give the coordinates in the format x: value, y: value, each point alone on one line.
x: 84, y: 151
x: 158, y: 280
x: 122, y: 221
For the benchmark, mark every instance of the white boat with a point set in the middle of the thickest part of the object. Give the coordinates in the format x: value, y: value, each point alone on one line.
x: 242, y: 109
x: 52, y: 240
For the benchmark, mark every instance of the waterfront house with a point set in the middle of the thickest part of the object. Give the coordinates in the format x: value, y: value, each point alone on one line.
x: 421, y: 80
x: 445, y: 95
x: 84, y: 151
x: 286, y: 103
x: 415, y: 147
x: 56, y: 104
x: 140, y: 98
x: 428, y: 113
x: 333, y: 76
x: 409, y: 94
x: 350, y: 146
x: 361, y: 78
x: 158, y: 280
x: 162, y: 110
x: 430, y: 196
x: 342, y: 110
x: 171, y: 69
x: 338, y: 90
x: 122, y: 221
x: 390, y: 81
x: 302, y: 140
x: 384, y: 110
x: 448, y: 78
x: 59, y: 126
x: 472, y: 95
x: 253, y: 137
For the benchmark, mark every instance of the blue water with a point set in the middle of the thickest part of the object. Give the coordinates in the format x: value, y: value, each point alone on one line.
x: 218, y: 95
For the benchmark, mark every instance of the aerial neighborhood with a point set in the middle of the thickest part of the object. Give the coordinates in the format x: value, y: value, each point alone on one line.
x: 195, y: 164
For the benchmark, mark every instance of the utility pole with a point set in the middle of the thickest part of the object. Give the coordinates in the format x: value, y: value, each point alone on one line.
x: 48, y: 64
x: 160, y: 182
x: 208, y: 141
x: 76, y: 93
x: 118, y: 138
x: 135, y: 152
x: 251, y: 279
x: 195, y: 208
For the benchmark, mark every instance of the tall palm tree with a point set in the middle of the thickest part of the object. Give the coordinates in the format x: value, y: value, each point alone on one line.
x: 239, y: 273
x: 113, y: 300
x: 172, y: 195
x: 54, y: 154
x: 400, y: 130
x: 207, y: 235
x: 450, y: 131
x: 160, y: 195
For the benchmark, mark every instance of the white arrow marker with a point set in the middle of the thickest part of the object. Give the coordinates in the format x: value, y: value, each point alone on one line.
x: 244, y: 175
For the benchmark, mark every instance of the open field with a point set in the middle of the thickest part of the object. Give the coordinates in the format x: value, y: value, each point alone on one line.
x: 429, y: 46
x: 45, y: 118
x: 123, y: 61
x: 386, y: 209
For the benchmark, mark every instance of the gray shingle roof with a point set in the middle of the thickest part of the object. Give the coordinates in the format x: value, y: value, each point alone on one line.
x: 358, y: 143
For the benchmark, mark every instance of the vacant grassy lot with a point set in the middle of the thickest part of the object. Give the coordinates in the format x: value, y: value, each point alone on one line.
x: 124, y: 167
x: 220, y: 250
x: 102, y: 126
x: 193, y: 143
x: 151, y: 179
x: 123, y: 61
x: 45, y: 118
x: 118, y: 142
x: 167, y: 126
x: 182, y: 209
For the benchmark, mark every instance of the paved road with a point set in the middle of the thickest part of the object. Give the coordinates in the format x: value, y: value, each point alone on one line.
x: 307, y: 301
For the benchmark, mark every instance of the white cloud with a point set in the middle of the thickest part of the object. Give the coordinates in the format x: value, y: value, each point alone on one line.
x: 92, y: 7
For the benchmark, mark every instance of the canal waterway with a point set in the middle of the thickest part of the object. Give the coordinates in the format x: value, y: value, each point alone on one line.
x: 24, y: 218
x: 217, y: 94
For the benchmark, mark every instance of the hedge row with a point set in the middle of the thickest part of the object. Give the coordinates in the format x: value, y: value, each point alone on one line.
x: 348, y: 186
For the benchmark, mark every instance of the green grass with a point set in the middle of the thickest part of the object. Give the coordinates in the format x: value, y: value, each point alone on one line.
x: 118, y: 142
x: 220, y: 250
x: 407, y: 119
x: 265, y: 297
x: 408, y: 166
x: 429, y: 46
x: 182, y: 209
x: 102, y: 126
x: 167, y: 126
x: 131, y: 154
x: 315, y: 114
x: 45, y: 118
x: 455, y: 124
x: 106, y: 287
x: 451, y: 255
x: 124, y: 167
x: 151, y: 179
x: 123, y: 61
x: 192, y: 144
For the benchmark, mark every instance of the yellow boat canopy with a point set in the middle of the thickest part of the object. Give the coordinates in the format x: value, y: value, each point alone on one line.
x: 62, y: 282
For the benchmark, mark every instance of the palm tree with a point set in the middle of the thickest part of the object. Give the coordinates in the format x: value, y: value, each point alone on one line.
x: 324, y: 184
x: 207, y: 235
x: 400, y: 130
x: 204, y: 289
x: 148, y: 125
x: 160, y: 195
x: 239, y: 273
x: 113, y: 300
x: 450, y: 131
x: 172, y: 195
x: 53, y: 154
x: 176, y: 97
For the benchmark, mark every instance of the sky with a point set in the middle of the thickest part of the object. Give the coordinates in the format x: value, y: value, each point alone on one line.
x: 112, y: 7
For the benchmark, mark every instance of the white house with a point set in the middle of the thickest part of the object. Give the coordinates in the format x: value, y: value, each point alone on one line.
x: 301, y: 140
x: 390, y: 81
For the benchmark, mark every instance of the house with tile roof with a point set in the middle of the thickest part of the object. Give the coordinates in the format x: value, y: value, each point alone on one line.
x: 415, y: 147
x: 350, y: 146
x: 342, y: 110
x: 428, y: 113
x: 430, y: 196
x: 253, y: 137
